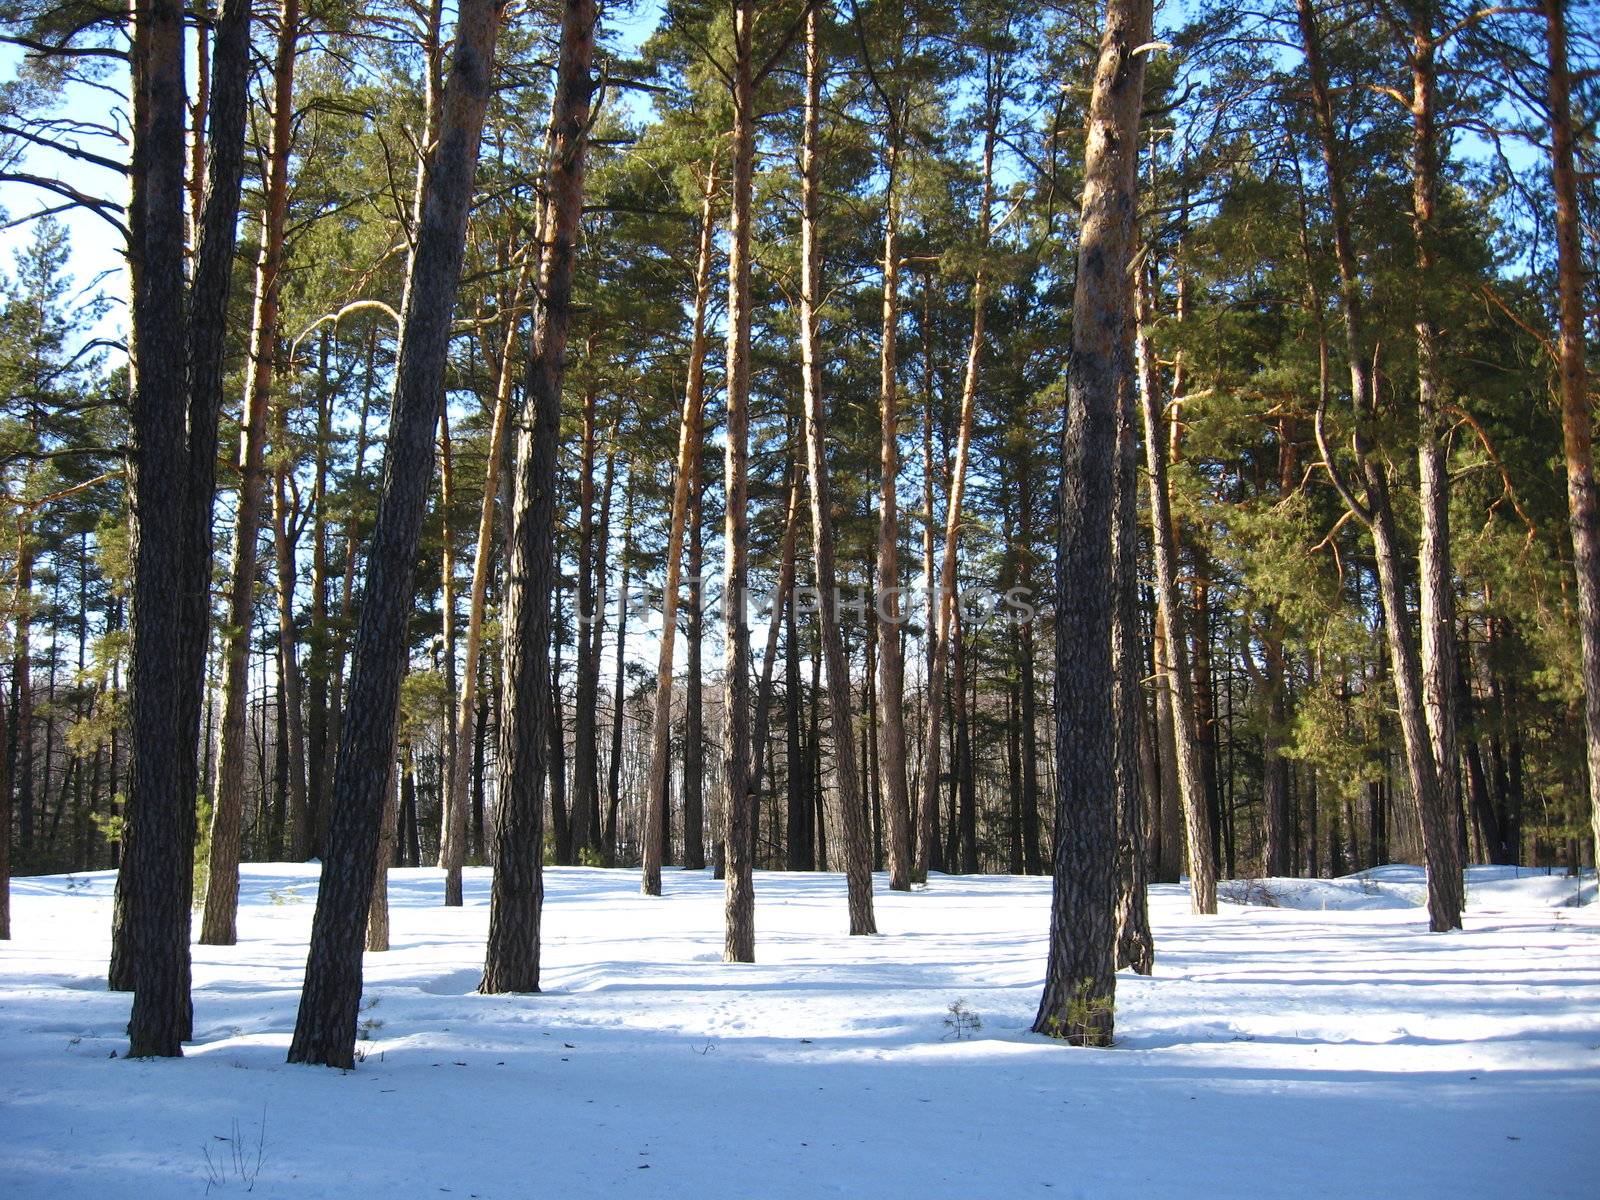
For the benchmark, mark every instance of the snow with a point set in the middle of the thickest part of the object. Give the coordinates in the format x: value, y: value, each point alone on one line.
x: 1399, y: 886
x: 1324, y: 1047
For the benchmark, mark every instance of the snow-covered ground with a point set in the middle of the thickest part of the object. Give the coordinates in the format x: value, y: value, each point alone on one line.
x: 1323, y: 1047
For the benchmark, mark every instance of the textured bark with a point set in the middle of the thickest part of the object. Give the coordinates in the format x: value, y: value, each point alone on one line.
x: 1080, y: 977
x: 1174, y: 670
x: 176, y: 382
x: 218, y: 920
x: 941, y: 604
x: 851, y: 816
x: 691, y: 439
x: 378, y: 902
x: 739, y: 940
x: 1440, y: 848
x: 511, y: 963
x: 326, y: 1025
x: 1583, y: 494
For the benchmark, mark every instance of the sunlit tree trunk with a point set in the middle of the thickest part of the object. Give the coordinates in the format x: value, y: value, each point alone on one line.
x: 847, y: 782
x: 1080, y: 975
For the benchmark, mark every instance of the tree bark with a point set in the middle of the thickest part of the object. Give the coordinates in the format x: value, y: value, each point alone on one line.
x: 739, y: 894
x: 176, y: 351
x: 1080, y: 977
x: 378, y: 903
x: 511, y: 963
x: 847, y: 782
x: 326, y: 1025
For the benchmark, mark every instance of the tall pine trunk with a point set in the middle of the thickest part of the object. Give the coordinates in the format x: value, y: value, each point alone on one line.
x: 852, y: 817
x: 1080, y: 977
x: 739, y: 939
x: 511, y: 963
x: 325, y: 1027
x: 176, y: 363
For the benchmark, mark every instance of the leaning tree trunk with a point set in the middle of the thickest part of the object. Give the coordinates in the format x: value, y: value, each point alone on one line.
x: 1080, y: 978
x: 739, y: 939
x: 1175, y: 668
x: 851, y: 815
x: 218, y: 920
x: 691, y: 436
x: 511, y: 963
x: 174, y: 414
x: 1583, y: 494
x: 1440, y: 848
x: 326, y: 1025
